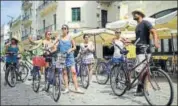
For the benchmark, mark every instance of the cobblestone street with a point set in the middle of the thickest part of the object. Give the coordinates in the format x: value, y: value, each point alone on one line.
x: 96, y: 94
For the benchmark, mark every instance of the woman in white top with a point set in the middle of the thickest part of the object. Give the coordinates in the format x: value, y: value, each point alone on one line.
x: 86, y: 51
x: 121, y: 42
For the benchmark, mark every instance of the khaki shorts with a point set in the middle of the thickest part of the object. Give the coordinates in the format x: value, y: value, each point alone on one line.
x: 140, y: 58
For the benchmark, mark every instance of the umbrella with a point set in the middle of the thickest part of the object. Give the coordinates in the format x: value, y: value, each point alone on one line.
x: 127, y: 23
x: 169, y: 21
x: 100, y: 36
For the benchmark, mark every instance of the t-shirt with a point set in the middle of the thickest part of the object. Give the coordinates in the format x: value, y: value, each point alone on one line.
x: 117, y: 53
x: 143, y: 32
x: 87, y: 55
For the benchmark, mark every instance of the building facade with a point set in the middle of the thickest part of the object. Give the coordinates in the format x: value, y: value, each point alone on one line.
x: 5, y: 35
x: 41, y: 16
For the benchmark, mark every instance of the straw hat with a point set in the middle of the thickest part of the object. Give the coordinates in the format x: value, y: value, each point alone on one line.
x: 16, y: 38
x: 140, y: 11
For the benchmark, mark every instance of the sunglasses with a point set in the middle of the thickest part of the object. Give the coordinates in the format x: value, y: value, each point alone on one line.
x: 49, y: 34
x: 63, y: 28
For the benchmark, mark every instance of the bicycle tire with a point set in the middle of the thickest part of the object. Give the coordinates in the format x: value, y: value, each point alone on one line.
x: 11, y: 68
x: 169, y: 83
x: 36, y: 77
x: 97, y: 73
x: 84, y: 71
x: 47, y: 85
x: 115, y: 71
x: 57, y: 84
x: 4, y: 67
x: 24, y: 66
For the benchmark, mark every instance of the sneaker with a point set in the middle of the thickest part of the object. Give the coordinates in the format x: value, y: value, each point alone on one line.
x: 66, y: 91
x: 79, y: 91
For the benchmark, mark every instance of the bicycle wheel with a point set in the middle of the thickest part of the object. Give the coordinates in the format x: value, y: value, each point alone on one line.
x: 11, y: 76
x: 36, y: 79
x: 23, y: 72
x: 118, y: 80
x: 102, y: 75
x: 57, y: 87
x: 84, y: 75
x: 158, y: 88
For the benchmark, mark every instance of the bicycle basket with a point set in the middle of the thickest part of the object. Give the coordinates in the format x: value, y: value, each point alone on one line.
x: 38, y: 61
x: 61, y: 60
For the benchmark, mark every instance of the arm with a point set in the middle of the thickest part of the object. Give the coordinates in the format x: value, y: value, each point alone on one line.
x: 91, y: 47
x: 73, y: 45
x: 35, y: 42
x: 153, y: 32
x: 6, y: 48
x: 155, y: 38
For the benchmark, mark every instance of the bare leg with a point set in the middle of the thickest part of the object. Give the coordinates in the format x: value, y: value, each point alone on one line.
x: 74, y: 77
x: 90, y: 67
x: 65, y: 78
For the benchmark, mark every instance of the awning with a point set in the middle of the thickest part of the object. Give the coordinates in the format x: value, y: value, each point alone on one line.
x: 127, y: 23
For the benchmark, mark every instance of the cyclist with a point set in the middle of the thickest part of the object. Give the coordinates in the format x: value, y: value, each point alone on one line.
x: 12, y: 47
x: 143, y: 30
x: 47, y: 42
x: 66, y: 44
x: 121, y: 42
x: 86, y: 50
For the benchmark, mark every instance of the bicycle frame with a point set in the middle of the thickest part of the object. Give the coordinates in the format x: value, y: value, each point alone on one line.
x: 145, y: 69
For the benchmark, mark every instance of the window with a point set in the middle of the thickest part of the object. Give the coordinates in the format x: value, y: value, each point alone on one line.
x: 54, y: 21
x: 44, y: 25
x: 75, y: 14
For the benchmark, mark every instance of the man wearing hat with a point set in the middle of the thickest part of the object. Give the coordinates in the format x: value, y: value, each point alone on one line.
x: 143, y: 30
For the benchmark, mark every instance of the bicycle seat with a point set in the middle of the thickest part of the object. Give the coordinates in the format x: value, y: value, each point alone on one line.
x: 107, y: 57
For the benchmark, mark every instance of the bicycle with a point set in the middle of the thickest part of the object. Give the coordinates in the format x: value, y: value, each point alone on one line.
x: 15, y: 72
x: 120, y: 75
x: 82, y: 71
x: 103, y: 68
x: 38, y: 62
x: 53, y: 76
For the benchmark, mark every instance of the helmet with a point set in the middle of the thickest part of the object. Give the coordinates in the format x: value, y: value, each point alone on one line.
x: 139, y: 11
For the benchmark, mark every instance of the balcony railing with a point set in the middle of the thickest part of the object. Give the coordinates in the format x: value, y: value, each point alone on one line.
x: 25, y: 36
x: 46, y: 3
x: 26, y: 17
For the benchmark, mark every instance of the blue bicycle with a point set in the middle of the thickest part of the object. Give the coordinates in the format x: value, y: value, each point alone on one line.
x: 103, y: 68
x: 83, y: 71
x: 53, y: 75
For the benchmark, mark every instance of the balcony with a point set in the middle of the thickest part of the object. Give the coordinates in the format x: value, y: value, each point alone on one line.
x: 47, y: 7
x: 16, y: 22
x: 27, y: 20
x: 25, y: 36
x: 26, y: 5
x: 107, y: 2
